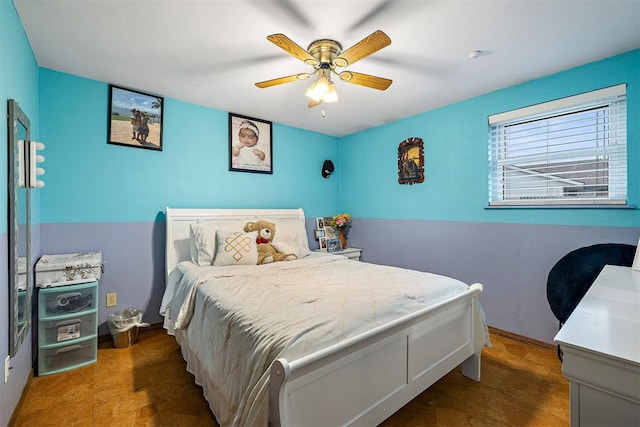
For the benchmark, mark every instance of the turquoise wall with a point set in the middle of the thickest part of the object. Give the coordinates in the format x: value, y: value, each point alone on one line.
x: 88, y: 180
x: 456, y: 159
x: 19, y: 81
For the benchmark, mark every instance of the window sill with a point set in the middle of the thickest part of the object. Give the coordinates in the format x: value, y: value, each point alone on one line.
x: 560, y: 207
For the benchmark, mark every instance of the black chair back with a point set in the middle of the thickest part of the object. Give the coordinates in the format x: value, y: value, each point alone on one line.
x: 572, y: 276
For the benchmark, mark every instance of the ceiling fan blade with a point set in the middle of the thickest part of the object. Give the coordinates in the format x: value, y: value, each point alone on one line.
x: 282, y: 80
x: 289, y: 46
x: 313, y: 103
x: 365, y: 47
x: 287, y: 10
x: 373, y: 13
x: 367, y: 80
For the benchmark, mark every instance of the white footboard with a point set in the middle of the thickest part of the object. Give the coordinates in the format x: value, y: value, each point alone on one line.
x: 369, y: 377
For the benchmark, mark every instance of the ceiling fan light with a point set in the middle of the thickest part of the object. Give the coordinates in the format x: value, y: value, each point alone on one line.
x: 322, y: 86
x: 331, y: 95
x: 318, y: 89
x: 311, y: 92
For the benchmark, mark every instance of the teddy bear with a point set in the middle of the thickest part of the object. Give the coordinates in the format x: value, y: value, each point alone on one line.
x: 266, y: 232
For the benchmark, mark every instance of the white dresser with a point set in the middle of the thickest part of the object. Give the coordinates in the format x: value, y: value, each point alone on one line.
x: 601, y: 346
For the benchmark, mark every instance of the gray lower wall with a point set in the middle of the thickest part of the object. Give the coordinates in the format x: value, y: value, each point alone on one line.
x: 133, y: 257
x: 510, y: 260
x: 10, y: 392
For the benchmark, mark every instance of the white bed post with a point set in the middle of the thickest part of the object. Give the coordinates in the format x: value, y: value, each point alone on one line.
x: 471, y: 366
x: 277, y: 377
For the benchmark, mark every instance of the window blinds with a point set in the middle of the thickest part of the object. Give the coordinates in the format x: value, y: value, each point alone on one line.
x: 567, y: 151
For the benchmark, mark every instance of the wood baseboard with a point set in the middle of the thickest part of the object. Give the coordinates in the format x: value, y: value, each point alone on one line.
x: 522, y: 339
x: 492, y: 330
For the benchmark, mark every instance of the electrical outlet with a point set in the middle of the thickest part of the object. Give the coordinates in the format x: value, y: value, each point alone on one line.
x: 112, y: 299
x: 7, y: 366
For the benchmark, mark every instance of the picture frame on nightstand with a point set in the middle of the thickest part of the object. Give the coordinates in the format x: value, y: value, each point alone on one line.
x: 330, y: 231
x: 322, y: 241
x: 328, y: 220
x: 334, y: 245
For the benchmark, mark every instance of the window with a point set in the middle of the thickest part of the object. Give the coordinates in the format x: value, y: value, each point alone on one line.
x: 571, y: 151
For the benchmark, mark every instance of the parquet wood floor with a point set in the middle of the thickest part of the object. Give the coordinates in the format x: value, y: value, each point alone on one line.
x: 147, y: 385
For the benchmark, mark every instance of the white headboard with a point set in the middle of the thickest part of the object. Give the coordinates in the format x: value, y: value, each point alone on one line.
x: 179, y: 221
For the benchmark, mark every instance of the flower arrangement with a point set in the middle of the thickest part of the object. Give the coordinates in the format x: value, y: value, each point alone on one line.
x: 342, y: 220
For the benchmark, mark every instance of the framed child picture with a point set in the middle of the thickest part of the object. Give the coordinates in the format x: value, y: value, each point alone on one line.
x: 250, y: 145
x: 135, y: 118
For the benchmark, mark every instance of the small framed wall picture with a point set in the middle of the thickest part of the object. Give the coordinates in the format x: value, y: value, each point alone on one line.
x: 250, y: 144
x: 135, y: 118
x: 318, y: 234
x: 320, y: 223
x: 411, y: 161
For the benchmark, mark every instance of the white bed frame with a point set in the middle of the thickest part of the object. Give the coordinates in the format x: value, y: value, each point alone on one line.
x: 365, y: 379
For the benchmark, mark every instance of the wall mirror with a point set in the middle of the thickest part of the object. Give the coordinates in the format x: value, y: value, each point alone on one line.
x: 411, y: 161
x: 19, y: 227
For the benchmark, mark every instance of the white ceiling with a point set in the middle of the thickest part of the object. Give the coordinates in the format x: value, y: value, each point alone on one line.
x: 211, y: 52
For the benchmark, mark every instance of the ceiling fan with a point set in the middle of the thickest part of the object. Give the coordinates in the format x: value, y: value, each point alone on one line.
x: 325, y: 56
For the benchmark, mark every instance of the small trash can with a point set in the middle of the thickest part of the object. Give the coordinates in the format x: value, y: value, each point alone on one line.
x: 125, y: 338
x: 123, y: 326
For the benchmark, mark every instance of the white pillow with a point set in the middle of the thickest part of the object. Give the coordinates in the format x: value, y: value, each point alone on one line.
x: 202, y: 241
x: 287, y: 231
x: 291, y: 247
x: 235, y: 248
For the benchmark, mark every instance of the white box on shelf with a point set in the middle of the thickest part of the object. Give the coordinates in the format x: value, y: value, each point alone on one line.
x: 68, y: 269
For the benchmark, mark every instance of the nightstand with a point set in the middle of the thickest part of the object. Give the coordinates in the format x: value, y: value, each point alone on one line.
x: 351, y: 253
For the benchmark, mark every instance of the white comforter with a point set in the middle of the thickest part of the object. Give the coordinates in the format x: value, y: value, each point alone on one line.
x: 239, y: 319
